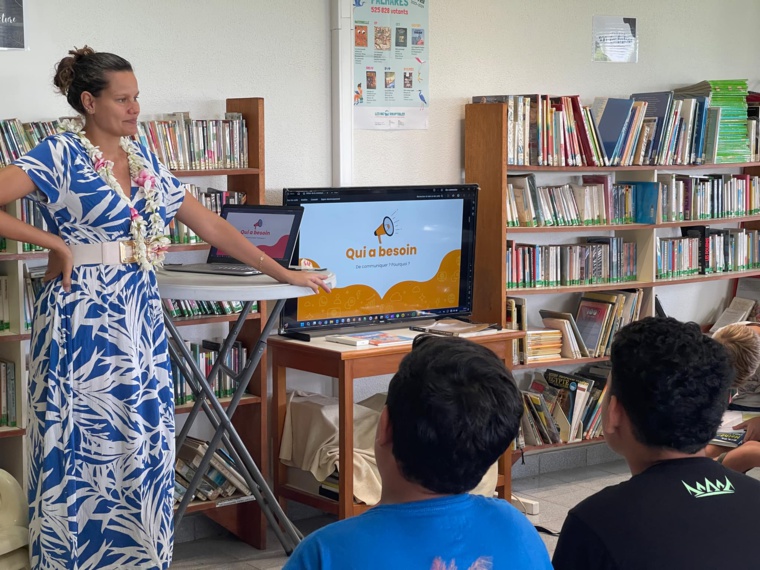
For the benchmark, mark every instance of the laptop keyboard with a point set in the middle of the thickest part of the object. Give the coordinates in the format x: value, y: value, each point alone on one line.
x: 236, y: 268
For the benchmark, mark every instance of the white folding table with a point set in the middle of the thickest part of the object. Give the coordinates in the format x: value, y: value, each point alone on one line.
x: 205, y: 287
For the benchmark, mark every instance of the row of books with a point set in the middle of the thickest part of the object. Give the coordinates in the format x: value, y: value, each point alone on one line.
x: 8, y: 410
x: 17, y: 138
x: 205, y: 355
x: 193, y: 308
x: 703, y: 123
x: 31, y: 214
x: 710, y: 196
x: 221, y: 479
x: 199, y: 144
x: 600, y: 201
x: 212, y: 199
x: 563, y: 407
x: 602, y: 259
x: 178, y: 141
x: 704, y: 250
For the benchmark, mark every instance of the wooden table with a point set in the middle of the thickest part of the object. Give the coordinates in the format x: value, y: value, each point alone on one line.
x: 347, y: 363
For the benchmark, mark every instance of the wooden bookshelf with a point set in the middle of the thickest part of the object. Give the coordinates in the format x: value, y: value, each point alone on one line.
x: 243, y: 518
x: 486, y: 132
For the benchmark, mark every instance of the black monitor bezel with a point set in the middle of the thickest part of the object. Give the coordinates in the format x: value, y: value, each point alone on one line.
x: 297, y: 196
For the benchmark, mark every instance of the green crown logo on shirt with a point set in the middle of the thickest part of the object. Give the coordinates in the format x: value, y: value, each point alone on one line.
x: 709, y: 489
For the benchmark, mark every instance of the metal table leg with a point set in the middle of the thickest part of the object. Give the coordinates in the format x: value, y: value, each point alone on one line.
x: 224, y: 431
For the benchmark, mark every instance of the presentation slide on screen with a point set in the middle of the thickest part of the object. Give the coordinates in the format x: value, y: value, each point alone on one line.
x: 389, y: 257
x: 268, y: 232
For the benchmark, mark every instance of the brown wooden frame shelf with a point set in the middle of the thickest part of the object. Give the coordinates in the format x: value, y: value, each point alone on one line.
x: 15, y: 337
x: 650, y: 167
x: 560, y: 362
x: 517, y: 453
x: 11, y: 432
x: 247, y: 400
x: 206, y: 319
x: 215, y: 172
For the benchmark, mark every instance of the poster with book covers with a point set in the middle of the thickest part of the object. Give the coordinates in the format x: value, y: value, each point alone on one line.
x: 391, y: 64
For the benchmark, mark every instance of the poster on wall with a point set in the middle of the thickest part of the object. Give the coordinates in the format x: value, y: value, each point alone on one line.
x: 614, y: 39
x: 391, y: 64
x: 12, y: 25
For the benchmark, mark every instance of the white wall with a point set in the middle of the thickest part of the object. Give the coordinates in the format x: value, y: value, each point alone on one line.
x: 190, y: 55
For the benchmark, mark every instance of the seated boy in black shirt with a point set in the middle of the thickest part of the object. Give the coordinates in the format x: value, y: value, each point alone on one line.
x: 665, y: 402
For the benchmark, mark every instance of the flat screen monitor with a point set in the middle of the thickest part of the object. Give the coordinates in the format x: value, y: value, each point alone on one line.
x: 399, y: 253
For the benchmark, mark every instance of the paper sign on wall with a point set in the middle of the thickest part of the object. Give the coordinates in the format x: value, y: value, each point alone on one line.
x: 615, y: 39
x: 12, y: 24
x: 391, y: 64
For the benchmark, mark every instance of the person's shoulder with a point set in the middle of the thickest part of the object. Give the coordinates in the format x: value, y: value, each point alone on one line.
x: 603, y: 501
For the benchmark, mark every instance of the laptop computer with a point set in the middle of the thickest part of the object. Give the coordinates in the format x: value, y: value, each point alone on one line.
x: 273, y: 229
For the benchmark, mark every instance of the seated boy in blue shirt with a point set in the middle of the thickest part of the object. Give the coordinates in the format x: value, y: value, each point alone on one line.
x: 452, y: 410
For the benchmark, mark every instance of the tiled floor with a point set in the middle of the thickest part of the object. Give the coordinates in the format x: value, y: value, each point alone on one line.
x: 556, y: 492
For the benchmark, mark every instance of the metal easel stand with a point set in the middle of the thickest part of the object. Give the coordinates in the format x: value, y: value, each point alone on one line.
x: 221, y: 420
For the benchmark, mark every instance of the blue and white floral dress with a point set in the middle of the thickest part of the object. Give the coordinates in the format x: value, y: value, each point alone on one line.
x: 100, y: 427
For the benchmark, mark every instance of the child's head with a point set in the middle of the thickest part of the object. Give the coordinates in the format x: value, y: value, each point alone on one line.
x: 453, y: 409
x: 742, y: 340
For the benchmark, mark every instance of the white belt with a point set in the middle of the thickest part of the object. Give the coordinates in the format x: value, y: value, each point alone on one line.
x: 108, y: 253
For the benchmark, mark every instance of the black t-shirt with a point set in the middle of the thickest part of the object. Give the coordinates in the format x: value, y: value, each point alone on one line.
x: 684, y: 513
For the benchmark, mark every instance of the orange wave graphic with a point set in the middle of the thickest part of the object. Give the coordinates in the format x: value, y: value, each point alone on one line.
x: 360, y: 300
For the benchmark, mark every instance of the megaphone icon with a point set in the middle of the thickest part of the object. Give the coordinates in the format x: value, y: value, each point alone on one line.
x: 259, y: 223
x: 384, y: 229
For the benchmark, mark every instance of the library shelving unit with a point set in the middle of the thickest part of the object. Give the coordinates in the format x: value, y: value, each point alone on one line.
x: 243, y: 519
x: 486, y: 130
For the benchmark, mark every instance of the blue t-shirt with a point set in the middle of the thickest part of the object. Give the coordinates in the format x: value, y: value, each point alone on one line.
x: 459, y: 531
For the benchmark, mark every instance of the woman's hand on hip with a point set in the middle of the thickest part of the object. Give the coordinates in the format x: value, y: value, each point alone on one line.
x: 60, y: 262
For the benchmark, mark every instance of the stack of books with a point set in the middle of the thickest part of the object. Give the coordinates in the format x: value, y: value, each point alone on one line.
x: 221, y: 480
x: 728, y: 101
x: 542, y: 344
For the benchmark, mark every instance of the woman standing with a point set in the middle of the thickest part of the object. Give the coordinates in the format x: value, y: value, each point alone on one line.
x: 101, y: 421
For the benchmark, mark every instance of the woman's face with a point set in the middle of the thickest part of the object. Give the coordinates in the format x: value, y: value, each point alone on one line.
x: 116, y: 109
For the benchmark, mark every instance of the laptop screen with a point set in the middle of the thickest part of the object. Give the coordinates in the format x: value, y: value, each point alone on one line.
x: 273, y: 229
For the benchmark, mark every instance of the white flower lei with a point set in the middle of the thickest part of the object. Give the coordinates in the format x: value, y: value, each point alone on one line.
x: 151, y: 252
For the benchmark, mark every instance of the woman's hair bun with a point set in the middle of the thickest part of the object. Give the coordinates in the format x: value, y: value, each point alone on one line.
x: 64, y: 71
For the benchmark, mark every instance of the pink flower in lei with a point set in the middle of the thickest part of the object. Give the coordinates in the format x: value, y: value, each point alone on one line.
x: 150, y: 243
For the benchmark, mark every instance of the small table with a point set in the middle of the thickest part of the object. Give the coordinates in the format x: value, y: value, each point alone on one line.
x: 347, y: 363
x: 204, y: 287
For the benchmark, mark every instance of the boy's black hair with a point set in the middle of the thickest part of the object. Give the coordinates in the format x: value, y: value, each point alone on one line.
x: 672, y: 381
x: 454, y: 409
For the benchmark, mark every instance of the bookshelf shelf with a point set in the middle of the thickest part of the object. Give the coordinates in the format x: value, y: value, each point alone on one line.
x: 625, y: 227
x: 200, y: 506
x: 516, y: 454
x: 206, y: 319
x: 247, y: 400
x: 710, y: 277
x: 649, y: 167
x: 559, y: 362
x: 216, y: 172
x: 577, y: 288
x: 14, y: 337
x: 11, y: 432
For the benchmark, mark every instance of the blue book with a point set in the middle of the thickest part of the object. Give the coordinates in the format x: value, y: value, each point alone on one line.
x: 645, y: 197
x: 611, y: 116
x: 658, y: 105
